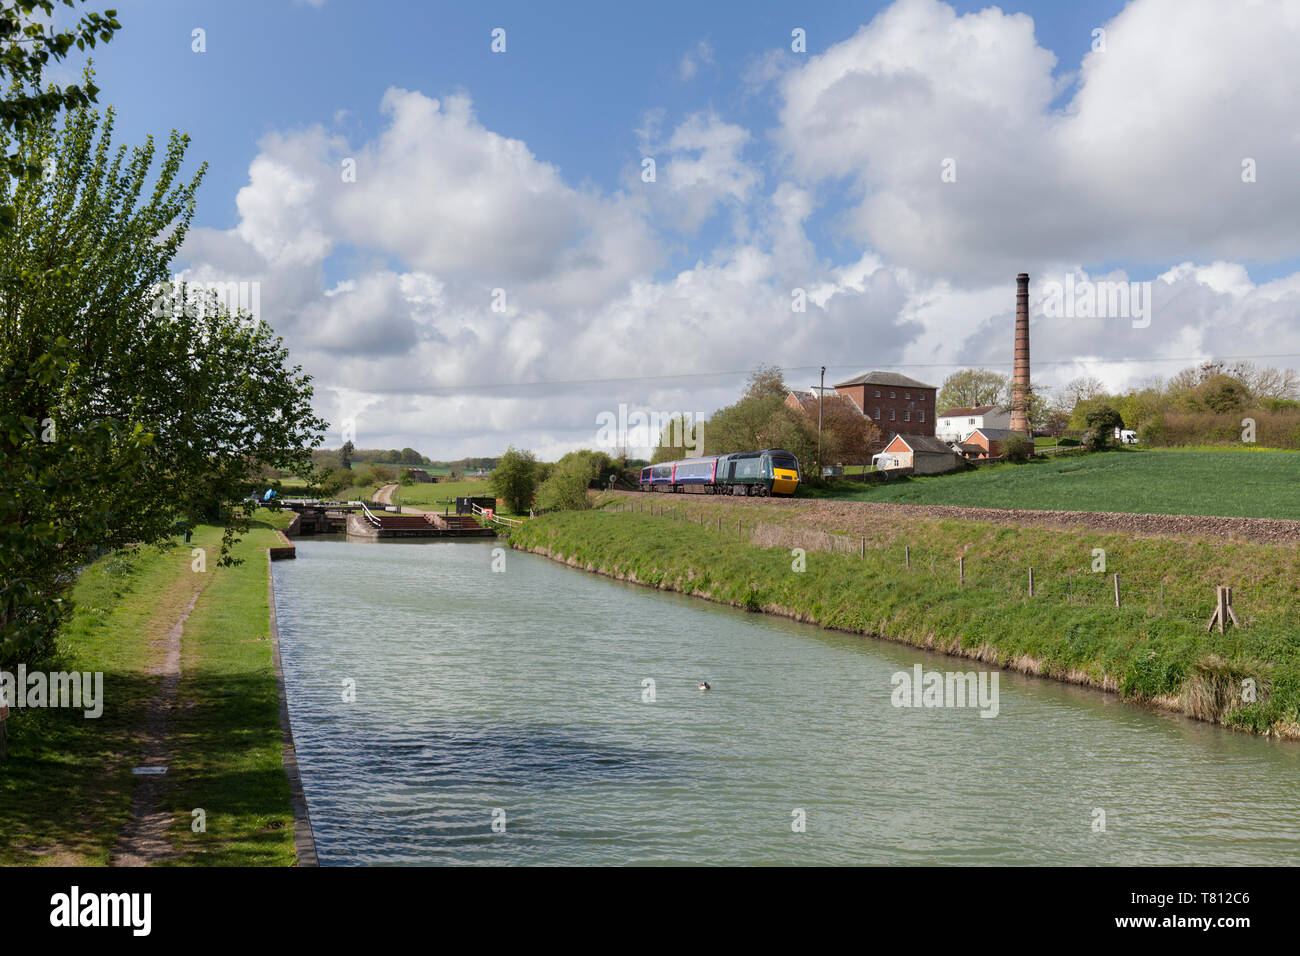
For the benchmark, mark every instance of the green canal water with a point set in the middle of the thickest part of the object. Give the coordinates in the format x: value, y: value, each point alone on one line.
x: 519, y: 696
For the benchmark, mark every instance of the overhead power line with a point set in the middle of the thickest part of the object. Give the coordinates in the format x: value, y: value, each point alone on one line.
x: 564, y: 383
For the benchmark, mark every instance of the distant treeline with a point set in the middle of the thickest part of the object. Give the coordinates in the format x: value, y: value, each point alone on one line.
x: 1214, y: 403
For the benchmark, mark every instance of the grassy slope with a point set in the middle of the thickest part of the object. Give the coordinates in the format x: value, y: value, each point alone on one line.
x: 65, y: 790
x: 426, y: 495
x: 1144, y: 654
x: 1248, y: 484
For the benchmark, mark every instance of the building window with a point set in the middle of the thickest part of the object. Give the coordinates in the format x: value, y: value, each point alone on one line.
x: 907, y: 416
x: 891, y: 414
x: 920, y: 396
x: 907, y: 394
x: 877, y: 414
x: 970, y: 422
x: 877, y: 393
x: 892, y: 395
x: 922, y: 416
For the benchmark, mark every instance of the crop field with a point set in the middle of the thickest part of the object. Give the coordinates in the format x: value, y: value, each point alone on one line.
x: 1231, y: 483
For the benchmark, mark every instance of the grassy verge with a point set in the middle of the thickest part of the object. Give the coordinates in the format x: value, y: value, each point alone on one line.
x: 65, y: 791
x: 1256, y: 484
x: 431, y: 495
x: 1148, y: 656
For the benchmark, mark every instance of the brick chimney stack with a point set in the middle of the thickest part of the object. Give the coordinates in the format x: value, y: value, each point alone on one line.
x: 1020, y: 374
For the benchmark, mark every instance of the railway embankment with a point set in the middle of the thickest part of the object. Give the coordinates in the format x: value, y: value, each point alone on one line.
x: 1094, y: 607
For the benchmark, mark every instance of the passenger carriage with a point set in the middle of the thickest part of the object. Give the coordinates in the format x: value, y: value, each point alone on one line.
x: 771, y: 471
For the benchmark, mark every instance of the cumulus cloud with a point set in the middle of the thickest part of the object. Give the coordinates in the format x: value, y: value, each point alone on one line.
x: 1144, y: 163
x: 385, y: 286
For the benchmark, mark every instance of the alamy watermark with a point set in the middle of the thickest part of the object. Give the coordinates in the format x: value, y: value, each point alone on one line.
x: 76, y: 690
x: 919, y: 688
x: 1085, y: 299
x: 647, y: 430
x: 196, y: 299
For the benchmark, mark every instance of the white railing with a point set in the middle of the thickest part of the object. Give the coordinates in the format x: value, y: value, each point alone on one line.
x: 370, y: 516
x: 496, y: 518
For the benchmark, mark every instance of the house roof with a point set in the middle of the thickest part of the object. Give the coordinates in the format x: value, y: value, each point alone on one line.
x: 808, y: 402
x: 974, y: 410
x: 924, y: 443
x: 995, y: 434
x: 884, y: 378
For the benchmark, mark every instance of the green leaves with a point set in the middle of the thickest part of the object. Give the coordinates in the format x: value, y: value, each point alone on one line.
x: 119, y: 419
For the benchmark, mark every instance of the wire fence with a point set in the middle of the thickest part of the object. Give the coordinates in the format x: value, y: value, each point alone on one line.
x: 1112, y: 587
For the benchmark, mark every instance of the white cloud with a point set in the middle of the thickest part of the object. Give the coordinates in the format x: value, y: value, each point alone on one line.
x: 1141, y: 165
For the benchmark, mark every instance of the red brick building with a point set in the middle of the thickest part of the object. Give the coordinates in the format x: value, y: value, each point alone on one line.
x: 986, y: 442
x: 893, y: 402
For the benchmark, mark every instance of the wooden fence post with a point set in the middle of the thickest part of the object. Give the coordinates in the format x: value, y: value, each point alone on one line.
x: 961, y: 568
x: 907, y: 556
x: 1031, y: 582
x: 862, y: 547
x: 1117, y: 589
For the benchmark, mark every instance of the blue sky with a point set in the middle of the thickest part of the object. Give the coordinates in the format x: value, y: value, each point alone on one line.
x: 777, y: 171
x: 577, y: 79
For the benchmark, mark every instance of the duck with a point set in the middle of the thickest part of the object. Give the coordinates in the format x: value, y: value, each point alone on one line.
x: 705, y: 685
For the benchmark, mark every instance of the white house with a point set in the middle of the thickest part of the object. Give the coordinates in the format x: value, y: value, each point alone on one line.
x: 956, y: 423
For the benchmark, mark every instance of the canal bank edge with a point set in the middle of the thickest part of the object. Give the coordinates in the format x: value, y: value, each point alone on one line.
x: 984, y: 652
x: 304, y: 840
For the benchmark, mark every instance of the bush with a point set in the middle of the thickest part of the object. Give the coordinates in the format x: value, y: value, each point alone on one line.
x: 566, y: 488
x: 1102, y: 420
x: 1017, y: 447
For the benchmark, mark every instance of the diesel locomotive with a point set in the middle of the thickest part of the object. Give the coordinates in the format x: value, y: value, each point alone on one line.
x: 767, y: 472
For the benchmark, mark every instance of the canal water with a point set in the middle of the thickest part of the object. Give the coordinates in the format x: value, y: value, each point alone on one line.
x: 517, y: 699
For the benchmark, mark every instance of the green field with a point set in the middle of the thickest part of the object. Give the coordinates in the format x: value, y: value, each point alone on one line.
x: 431, y: 496
x: 1246, y: 484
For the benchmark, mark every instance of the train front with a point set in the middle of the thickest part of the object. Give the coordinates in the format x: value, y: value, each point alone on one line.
x: 785, y: 473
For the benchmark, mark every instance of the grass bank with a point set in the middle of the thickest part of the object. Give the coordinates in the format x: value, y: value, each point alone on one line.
x: 1254, y: 483
x: 1166, y: 659
x: 65, y: 791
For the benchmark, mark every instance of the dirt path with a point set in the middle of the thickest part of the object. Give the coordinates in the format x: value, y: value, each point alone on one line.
x: 385, y: 496
x: 143, y: 841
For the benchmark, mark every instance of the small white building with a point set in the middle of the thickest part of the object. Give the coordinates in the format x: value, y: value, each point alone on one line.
x: 956, y: 423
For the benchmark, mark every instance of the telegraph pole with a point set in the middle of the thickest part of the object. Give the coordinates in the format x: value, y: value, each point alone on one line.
x: 821, y: 393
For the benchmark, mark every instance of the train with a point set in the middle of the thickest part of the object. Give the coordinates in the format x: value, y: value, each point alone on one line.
x: 771, y: 471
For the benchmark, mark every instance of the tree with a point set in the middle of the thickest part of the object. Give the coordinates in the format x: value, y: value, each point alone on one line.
x: 566, y: 486
x: 972, y: 387
x: 27, y: 47
x: 128, y: 408
x: 1102, y: 420
x: 852, y: 436
x: 1083, y: 388
x: 514, y: 480
x: 1221, y: 393
x: 766, y: 381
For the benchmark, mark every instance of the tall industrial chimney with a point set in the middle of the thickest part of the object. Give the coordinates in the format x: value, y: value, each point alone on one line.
x: 1020, y: 374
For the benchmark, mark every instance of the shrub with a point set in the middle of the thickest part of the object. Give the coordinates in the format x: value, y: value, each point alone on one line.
x: 566, y: 488
x: 1102, y: 420
x: 1017, y: 447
